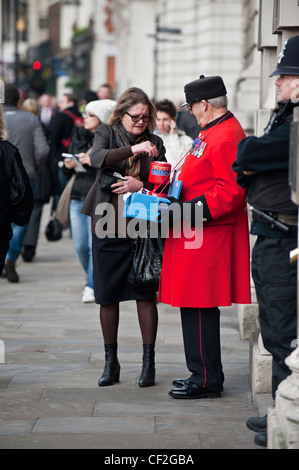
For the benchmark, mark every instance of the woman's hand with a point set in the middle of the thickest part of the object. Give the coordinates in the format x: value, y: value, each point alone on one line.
x: 172, y: 127
x: 69, y: 163
x: 145, y: 147
x: 130, y: 185
x: 84, y: 158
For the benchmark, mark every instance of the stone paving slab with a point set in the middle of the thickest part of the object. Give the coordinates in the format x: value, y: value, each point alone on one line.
x: 93, y: 425
x: 49, y: 398
x: 105, y: 441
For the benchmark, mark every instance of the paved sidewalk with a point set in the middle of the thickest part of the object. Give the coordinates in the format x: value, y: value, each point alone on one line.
x: 49, y: 398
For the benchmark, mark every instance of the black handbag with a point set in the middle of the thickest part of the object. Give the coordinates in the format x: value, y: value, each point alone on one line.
x: 53, y: 229
x: 145, y: 272
x: 108, y: 178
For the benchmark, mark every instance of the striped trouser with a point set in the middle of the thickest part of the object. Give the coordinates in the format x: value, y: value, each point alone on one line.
x: 201, y: 333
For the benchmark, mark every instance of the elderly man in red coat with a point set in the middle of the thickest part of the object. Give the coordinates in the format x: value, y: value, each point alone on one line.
x: 200, y: 279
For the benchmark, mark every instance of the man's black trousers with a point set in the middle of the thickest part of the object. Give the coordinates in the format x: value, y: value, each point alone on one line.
x: 201, y: 334
x: 276, y: 288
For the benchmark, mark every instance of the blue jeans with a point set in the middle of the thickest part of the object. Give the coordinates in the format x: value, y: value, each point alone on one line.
x: 63, y: 181
x: 81, y: 234
x: 16, y: 241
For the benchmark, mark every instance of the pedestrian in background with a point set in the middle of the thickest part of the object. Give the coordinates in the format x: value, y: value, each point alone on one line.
x: 105, y: 92
x: 262, y: 168
x: 47, y: 111
x: 43, y: 189
x: 62, y: 125
x: 96, y: 112
x: 89, y: 95
x: 127, y: 146
x: 176, y: 142
x: 26, y: 133
x: 16, y: 198
x: 187, y: 123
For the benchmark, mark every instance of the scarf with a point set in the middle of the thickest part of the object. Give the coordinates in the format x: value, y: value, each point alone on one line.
x: 124, y: 139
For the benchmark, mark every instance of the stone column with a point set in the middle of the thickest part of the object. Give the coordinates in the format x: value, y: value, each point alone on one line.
x: 283, y: 420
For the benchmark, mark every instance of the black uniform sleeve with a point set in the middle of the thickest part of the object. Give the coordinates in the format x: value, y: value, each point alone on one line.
x: 266, y: 153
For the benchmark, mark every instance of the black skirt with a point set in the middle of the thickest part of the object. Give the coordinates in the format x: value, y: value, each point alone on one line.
x: 112, y: 261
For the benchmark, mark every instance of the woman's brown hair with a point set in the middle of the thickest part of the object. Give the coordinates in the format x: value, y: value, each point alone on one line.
x: 129, y: 98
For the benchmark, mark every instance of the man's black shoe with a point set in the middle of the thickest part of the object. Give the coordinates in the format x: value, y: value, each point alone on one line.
x: 184, y: 382
x: 261, y: 438
x: 180, y: 382
x: 191, y: 390
x: 257, y: 424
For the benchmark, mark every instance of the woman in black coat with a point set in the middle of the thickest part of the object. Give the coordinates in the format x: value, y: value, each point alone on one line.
x: 127, y: 146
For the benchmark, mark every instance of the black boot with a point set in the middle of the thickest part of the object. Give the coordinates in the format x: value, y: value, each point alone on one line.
x: 11, y: 273
x: 148, y: 372
x: 112, y: 368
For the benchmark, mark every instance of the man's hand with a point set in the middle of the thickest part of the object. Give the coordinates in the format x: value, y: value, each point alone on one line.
x: 178, y: 211
x: 174, y: 213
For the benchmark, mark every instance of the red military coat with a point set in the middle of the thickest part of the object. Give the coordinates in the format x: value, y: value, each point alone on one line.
x: 218, y: 272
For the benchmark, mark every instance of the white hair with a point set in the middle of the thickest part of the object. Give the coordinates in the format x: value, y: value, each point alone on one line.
x: 219, y: 102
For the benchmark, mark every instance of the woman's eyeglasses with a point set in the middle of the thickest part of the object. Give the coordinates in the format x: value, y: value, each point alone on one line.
x: 144, y: 118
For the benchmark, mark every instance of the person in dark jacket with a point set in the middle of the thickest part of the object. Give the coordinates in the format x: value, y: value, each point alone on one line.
x: 262, y: 167
x: 43, y: 189
x: 26, y: 133
x: 96, y: 112
x: 16, y: 198
x: 187, y: 123
x: 62, y: 125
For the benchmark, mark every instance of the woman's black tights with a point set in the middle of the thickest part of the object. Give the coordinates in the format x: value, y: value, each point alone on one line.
x: 147, y: 317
